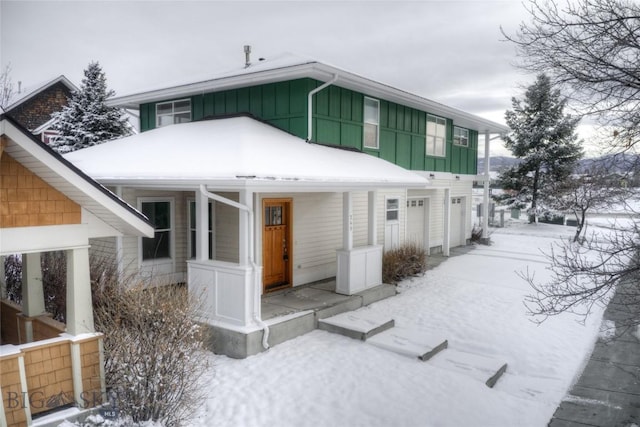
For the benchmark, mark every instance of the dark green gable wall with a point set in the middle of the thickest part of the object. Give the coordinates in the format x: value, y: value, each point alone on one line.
x: 337, y: 120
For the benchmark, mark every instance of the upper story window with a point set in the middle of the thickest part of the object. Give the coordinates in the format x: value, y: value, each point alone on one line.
x: 436, y: 136
x: 460, y: 136
x: 172, y: 112
x: 371, y: 123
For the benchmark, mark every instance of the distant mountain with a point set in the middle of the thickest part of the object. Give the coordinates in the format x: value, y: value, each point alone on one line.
x: 613, y: 163
x: 497, y: 163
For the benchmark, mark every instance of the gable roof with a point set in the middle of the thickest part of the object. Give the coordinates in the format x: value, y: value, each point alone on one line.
x: 36, y: 156
x: 32, y: 91
x: 287, y: 67
x: 235, y: 153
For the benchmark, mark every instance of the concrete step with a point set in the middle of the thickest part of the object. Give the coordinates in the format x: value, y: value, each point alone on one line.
x: 360, y: 325
x: 484, y: 368
x: 410, y: 341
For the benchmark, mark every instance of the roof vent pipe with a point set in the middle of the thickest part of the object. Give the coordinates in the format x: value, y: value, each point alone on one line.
x: 247, y: 55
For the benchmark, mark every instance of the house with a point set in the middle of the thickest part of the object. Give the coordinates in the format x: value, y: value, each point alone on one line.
x: 47, y: 204
x: 283, y: 173
x: 33, y: 106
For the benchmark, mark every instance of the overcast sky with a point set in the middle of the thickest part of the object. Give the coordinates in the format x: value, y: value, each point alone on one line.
x: 448, y: 51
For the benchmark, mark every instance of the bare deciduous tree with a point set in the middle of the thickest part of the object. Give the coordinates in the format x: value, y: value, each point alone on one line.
x: 581, y: 194
x: 590, y: 48
x: 585, y: 275
x: 6, y: 87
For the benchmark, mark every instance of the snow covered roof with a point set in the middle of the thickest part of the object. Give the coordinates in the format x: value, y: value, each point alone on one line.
x: 30, y: 92
x: 73, y: 183
x: 289, y: 66
x: 234, y: 153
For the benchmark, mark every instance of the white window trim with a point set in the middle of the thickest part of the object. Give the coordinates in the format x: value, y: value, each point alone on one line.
x: 172, y: 234
x: 386, y: 209
x: 444, y: 145
x: 212, y: 207
x: 377, y: 123
x: 454, y: 136
x: 173, y: 102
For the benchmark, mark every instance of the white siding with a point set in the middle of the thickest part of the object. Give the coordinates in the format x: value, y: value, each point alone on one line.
x: 227, y: 229
x: 131, y: 244
x: 317, y: 229
x: 461, y: 188
x: 103, y: 248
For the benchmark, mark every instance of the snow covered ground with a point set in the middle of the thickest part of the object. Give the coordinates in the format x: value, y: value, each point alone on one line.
x: 475, y: 300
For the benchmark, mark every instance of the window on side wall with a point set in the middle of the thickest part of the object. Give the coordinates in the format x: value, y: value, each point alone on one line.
x: 371, y: 123
x: 436, y: 136
x: 393, y: 209
x: 159, y: 214
x: 173, y: 112
x: 460, y: 136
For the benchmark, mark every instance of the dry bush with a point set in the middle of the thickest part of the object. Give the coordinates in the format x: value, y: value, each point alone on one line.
x: 154, y: 351
x: 405, y: 261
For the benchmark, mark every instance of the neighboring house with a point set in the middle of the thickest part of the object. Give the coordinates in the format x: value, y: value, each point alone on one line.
x: 283, y: 173
x: 46, y: 204
x: 33, y: 106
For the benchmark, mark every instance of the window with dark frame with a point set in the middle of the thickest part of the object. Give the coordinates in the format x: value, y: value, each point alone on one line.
x: 159, y: 246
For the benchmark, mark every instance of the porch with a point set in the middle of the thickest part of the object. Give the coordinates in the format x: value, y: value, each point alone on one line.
x: 293, y: 312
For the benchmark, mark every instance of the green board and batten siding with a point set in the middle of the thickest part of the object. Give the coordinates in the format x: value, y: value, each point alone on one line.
x: 338, y: 119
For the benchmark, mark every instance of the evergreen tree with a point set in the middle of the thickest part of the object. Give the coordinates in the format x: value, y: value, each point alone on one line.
x: 544, y: 138
x: 86, y: 120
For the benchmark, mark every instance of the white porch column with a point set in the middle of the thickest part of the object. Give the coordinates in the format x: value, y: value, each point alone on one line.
x: 347, y: 221
x: 487, y: 182
x: 79, y: 305
x: 245, y: 236
x: 446, y: 240
x: 32, y: 290
x: 202, y: 226
x: 373, y: 220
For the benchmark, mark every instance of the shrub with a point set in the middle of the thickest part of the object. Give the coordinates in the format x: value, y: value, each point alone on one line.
x: 154, y: 351
x: 402, y: 262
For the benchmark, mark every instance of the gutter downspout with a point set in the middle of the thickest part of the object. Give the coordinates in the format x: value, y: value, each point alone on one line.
x: 310, y: 105
x: 256, y: 318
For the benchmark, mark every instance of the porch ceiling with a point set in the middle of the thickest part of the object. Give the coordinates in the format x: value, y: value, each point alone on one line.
x: 238, y: 152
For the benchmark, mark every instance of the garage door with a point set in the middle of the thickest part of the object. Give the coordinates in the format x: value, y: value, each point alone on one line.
x: 417, y: 222
x: 457, y: 222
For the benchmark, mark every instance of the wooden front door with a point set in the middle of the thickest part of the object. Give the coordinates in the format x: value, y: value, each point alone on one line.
x: 276, y: 238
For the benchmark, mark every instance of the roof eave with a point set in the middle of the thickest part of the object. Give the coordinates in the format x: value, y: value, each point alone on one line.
x: 26, y: 143
x: 319, y: 71
x: 60, y: 79
x: 261, y: 185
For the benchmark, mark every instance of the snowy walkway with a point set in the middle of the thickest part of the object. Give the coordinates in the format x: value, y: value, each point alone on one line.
x: 474, y: 300
x: 608, y: 391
